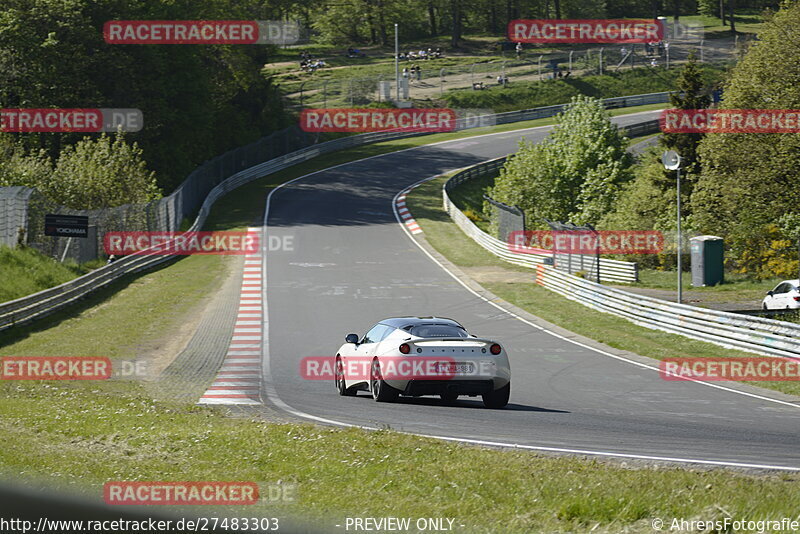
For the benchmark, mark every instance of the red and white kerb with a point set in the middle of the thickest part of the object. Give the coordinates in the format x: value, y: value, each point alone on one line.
x: 239, y: 379
x: 402, y: 210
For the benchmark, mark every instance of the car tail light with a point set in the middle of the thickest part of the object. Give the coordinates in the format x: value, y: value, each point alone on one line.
x: 495, y: 349
x: 797, y: 299
x: 405, y: 348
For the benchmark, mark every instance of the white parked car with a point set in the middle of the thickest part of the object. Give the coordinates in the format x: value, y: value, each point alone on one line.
x: 785, y: 296
x: 416, y: 356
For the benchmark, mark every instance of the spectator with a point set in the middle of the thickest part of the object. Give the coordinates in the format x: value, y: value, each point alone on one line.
x: 405, y: 72
x: 519, y: 50
x: 419, y: 73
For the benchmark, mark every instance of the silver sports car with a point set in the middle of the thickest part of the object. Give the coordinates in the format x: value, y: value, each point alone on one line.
x: 416, y: 356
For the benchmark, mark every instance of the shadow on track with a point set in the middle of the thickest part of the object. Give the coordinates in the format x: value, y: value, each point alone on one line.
x: 460, y: 403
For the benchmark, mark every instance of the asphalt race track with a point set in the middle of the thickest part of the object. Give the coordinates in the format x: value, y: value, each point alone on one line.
x: 353, y: 264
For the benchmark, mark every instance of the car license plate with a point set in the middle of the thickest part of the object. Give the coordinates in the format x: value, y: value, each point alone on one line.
x: 456, y: 368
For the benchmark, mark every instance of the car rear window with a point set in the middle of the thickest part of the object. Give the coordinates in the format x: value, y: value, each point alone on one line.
x: 437, y: 330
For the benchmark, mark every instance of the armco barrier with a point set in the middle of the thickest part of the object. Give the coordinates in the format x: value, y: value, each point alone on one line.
x: 610, y: 270
x: 38, y: 305
x: 754, y: 334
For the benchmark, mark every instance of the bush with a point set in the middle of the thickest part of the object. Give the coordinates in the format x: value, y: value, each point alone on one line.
x: 575, y: 175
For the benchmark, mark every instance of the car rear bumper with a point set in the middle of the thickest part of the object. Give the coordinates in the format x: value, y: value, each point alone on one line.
x: 417, y: 388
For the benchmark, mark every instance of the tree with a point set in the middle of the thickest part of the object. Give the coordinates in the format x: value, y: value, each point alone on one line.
x: 100, y: 173
x: 691, y: 94
x: 575, y: 175
x: 749, y: 179
x: 197, y: 101
x: 18, y: 167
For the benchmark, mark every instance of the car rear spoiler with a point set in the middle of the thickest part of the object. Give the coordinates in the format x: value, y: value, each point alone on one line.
x: 478, y: 339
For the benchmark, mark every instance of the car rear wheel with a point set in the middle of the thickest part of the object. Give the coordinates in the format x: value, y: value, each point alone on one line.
x: 340, y: 383
x: 497, y: 398
x: 381, y: 391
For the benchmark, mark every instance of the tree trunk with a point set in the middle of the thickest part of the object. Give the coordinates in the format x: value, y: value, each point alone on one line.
x: 676, y: 13
x: 432, y: 18
x: 382, y: 24
x: 722, y: 12
x: 455, y: 9
x: 492, y: 17
x: 373, y: 34
x: 654, y: 5
x: 557, y: 5
x: 732, y: 14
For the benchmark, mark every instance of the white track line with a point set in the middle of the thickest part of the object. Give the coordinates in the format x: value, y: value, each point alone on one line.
x: 272, y: 394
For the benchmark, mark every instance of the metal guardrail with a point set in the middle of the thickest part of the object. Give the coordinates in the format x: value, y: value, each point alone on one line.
x: 610, y: 270
x: 50, y: 300
x: 730, y: 330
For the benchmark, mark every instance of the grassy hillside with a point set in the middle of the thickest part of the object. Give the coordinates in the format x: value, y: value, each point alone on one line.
x: 524, y: 95
x: 24, y: 271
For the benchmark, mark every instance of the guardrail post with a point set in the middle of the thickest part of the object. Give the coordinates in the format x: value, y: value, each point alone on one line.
x: 441, y: 81
x: 540, y: 68
x: 570, y: 59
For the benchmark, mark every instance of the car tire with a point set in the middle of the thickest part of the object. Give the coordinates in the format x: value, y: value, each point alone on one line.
x: 764, y: 306
x: 497, y: 398
x: 339, y: 381
x: 381, y: 391
x: 449, y: 396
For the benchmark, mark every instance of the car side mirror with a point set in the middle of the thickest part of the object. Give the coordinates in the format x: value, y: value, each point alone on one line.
x: 351, y: 338
x: 770, y: 293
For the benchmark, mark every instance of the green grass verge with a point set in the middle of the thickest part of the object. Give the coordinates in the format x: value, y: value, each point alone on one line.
x: 424, y: 203
x: 736, y: 287
x: 102, y: 433
x: 748, y: 21
x: 140, y: 313
x: 25, y: 271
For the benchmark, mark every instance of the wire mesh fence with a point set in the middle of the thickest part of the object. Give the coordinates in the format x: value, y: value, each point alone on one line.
x: 23, y: 209
x: 424, y: 80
